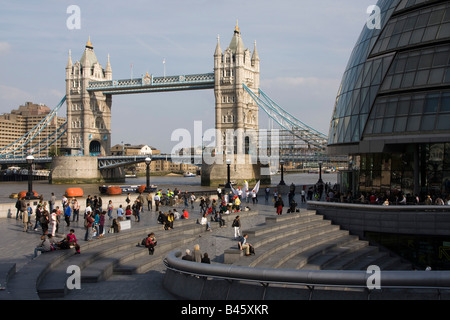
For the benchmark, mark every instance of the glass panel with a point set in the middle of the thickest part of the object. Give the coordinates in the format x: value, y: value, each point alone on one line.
x: 399, y: 65
x: 436, y: 76
x: 417, y: 35
x: 408, y: 79
x: 430, y: 33
x: 417, y: 106
x: 396, y: 81
x: 377, y: 126
x: 444, y: 30
x: 388, y: 125
x: 413, y: 123
x: 431, y: 103
x: 403, y: 107
x: 440, y: 59
x: 443, y: 122
x: 421, y: 78
x: 391, y: 108
x: 436, y: 17
x: 380, y: 110
x: 428, y: 122
x: 400, y: 124
x: 422, y: 20
x: 447, y: 76
x: 425, y: 61
x: 445, y: 102
x: 412, y: 63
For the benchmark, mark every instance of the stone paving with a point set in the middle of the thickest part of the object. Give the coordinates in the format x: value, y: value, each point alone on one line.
x: 18, y: 247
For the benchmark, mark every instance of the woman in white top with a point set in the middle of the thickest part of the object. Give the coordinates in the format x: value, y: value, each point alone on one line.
x: 53, y: 222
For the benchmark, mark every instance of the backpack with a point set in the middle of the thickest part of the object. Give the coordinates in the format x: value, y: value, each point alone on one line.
x: 86, y: 223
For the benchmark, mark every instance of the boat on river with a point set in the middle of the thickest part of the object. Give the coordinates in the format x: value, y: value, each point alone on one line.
x: 189, y: 174
x: 114, y: 190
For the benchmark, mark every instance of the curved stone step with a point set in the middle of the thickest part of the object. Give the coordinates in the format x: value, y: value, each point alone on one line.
x: 346, y: 261
x: 54, y: 282
x: 318, y: 257
x: 316, y: 242
x: 286, y: 239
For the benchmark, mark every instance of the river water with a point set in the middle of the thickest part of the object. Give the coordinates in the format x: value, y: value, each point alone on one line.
x: 163, y: 182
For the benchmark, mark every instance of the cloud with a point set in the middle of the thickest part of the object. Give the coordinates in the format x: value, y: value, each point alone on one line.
x: 9, y: 93
x: 5, y: 47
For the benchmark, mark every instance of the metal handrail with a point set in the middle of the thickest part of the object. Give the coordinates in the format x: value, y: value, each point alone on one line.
x: 437, y: 280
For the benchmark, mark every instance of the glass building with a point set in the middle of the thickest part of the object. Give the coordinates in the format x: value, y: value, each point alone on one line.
x: 392, y: 111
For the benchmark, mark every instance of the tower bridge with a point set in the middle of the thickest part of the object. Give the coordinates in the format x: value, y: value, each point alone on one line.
x: 238, y: 99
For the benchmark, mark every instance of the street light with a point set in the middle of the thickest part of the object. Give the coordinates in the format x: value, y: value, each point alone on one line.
x: 228, y: 185
x: 320, y: 172
x: 282, y: 183
x: 30, y: 195
x: 148, y: 160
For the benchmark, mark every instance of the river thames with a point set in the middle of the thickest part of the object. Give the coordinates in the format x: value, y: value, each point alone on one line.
x: 163, y: 182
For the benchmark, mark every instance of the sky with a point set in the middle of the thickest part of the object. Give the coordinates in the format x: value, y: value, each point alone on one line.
x: 304, y: 47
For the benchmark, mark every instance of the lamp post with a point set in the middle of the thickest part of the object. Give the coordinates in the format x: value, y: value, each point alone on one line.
x: 30, y: 195
x: 282, y: 183
x: 320, y: 172
x: 148, y: 160
x: 228, y: 185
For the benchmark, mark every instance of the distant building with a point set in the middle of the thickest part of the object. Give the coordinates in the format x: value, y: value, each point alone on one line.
x: 156, y: 165
x: 16, y: 124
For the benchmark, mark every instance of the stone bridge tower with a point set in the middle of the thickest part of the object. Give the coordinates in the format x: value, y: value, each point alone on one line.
x: 88, y: 114
x: 236, y: 113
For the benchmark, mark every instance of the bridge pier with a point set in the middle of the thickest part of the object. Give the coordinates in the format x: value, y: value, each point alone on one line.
x: 241, y: 169
x: 82, y: 169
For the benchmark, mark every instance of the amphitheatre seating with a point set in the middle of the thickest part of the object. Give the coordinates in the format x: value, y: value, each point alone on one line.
x: 46, y: 275
x: 305, y: 240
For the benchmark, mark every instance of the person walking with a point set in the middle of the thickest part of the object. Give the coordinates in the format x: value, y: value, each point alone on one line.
x: 237, y: 227
x: 279, y: 205
x: 110, y: 209
x: 67, y: 214
x: 101, y: 224
x: 53, y: 222
x: 149, y: 202
x: 76, y: 210
x: 157, y: 199
x: 88, y: 225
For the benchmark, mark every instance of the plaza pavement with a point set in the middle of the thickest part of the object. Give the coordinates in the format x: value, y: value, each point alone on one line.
x: 18, y: 247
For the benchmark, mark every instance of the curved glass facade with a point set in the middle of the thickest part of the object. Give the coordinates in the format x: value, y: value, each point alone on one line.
x: 393, y: 105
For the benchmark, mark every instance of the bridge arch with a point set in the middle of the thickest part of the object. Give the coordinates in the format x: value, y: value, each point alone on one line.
x: 95, y: 148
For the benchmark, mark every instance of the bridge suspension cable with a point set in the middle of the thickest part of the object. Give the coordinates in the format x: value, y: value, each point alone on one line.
x: 287, y: 121
x: 25, y: 145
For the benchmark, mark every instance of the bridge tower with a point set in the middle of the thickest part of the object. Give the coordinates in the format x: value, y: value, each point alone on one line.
x: 236, y: 112
x: 88, y: 113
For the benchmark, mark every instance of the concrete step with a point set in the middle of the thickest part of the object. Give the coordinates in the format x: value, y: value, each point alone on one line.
x: 346, y: 261
x: 278, y: 223
x: 318, y: 257
x: 318, y: 240
x: 54, y: 283
x: 7, y: 270
x: 289, y: 238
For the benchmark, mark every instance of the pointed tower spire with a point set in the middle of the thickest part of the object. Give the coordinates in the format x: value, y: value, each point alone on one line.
x: 69, y: 62
x: 108, y: 65
x: 218, y: 51
x: 108, y: 70
x: 255, y: 55
x: 89, y: 44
